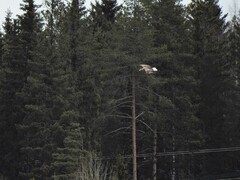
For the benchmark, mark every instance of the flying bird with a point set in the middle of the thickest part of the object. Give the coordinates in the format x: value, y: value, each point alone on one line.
x: 148, y: 69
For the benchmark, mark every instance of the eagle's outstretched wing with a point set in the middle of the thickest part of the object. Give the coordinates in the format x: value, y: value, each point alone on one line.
x: 145, y: 67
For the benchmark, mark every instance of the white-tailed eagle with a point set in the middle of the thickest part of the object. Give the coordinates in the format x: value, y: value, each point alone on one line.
x: 148, y: 69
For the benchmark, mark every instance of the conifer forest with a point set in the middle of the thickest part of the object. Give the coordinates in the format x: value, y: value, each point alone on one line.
x: 74, y: 105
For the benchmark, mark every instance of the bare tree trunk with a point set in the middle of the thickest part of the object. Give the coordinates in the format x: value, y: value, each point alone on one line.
x: 173, y: 156
x: 134, y: 128
x: 155, y: 152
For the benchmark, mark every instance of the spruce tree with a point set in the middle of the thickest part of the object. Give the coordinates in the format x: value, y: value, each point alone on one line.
x: 39, y: 115
x: 53, y: 15
x: 131, y: 47
x: 213, y: 72
x: 233, y: 45
x: 1, y: 47
x: 170, y: 96
x: 36, y: 96
x: 104, y: 14
x: 68, y: 53
x: 77, y: 12
x: 66, y: 88
x: 67, y: 159
x: 92, y: 73
x: 30, y: 26
x: 232, y: 114
x: 110, y: 9
x: 11, y: 108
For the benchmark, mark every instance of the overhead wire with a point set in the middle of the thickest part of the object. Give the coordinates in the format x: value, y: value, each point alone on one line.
x: 176, y: 153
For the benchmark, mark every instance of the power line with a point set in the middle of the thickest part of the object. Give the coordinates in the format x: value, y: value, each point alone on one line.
x: 201, y: 151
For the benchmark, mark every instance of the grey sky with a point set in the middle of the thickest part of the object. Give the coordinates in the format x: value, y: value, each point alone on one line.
x: 13, y: 5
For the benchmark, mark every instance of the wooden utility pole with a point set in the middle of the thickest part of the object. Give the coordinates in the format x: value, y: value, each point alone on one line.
x: 173, y: 156
x: 134, y: 144
x: 155, y: 152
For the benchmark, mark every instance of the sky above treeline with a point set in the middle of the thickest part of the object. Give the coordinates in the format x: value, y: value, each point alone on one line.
x: 228, y: 6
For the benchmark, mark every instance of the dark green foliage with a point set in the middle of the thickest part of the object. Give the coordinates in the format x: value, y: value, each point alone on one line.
x: 29, y: 26
x: 170, y: 95
x: 104, y: 14
x: 216, y: 88
x: 11, y: 108
x: 77, y: 11
x: 233, y: 47
x: 110, y: 9
x: 233, y: 93
x: 53, y: 14
x: 66, y: 89
x: 41, y: 110
x: 1, y: 48
x: 67, y: 159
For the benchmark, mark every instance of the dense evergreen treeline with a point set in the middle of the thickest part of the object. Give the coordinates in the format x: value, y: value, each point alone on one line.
x: 66, y: 90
